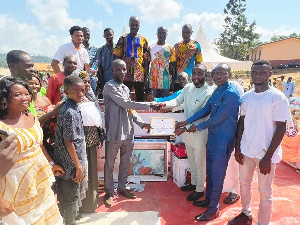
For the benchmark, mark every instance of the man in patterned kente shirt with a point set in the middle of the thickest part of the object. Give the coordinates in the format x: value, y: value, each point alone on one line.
x: 132, y: 48
x: 187, y: 52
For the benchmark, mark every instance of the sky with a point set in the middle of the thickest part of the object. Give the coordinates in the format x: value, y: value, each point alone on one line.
x: 39, y: 27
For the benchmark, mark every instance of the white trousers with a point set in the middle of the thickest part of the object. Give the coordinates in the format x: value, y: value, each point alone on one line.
x: 231, y: 182
x: 195, y: 144
x: 264, y: 186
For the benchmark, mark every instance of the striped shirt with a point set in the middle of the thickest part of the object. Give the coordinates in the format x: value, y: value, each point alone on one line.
x: 28, y: 184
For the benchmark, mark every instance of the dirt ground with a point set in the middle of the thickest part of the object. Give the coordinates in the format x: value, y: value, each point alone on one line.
x: 4, y: 71
x: 294, y: 72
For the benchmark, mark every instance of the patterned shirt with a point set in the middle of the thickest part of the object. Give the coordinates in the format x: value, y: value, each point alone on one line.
x: 69, y: 128
x: 161, y: 56
x: 92, y: 50
x: 187, y: 54
x: 132, y: 52
x: 105, y: 58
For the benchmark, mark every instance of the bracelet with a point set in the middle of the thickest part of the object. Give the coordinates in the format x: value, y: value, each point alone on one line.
x: 52, y: 163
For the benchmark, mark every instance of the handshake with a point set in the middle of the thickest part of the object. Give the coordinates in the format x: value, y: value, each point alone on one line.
x: 180, y: 127
x: 157, y: 106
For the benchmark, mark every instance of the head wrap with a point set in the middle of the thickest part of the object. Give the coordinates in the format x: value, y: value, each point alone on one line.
x: 83, y: 74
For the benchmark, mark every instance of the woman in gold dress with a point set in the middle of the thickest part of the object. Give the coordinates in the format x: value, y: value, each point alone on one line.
x: 27, y: 186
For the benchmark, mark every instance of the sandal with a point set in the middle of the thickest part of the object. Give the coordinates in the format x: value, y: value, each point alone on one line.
x: 231, y: 198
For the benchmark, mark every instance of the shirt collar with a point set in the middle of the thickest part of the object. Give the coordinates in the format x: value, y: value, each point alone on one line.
x: 223, y: 87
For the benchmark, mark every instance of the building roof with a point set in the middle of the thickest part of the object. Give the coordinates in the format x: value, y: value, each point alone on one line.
x: 253, y: 48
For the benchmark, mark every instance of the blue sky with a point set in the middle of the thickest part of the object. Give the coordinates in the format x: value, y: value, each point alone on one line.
x: 41, y: 26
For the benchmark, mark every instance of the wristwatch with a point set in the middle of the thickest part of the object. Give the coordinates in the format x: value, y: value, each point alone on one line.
x: 52, y: 163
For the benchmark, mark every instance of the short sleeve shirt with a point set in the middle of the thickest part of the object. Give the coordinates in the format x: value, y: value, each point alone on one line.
x: 261, y: 111
x: 132, y: 52
x: 186, y: 56
x: 69, y: 128
x: 161, y: 56
x: 55, y: 87
x: 81, y: 55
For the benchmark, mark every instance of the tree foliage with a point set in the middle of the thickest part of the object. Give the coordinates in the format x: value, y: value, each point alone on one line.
x: 238, y: 35
x: 36, y: 59
x: 281, y: 37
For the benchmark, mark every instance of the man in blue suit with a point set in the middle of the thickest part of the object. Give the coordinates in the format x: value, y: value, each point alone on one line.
x: 223, y: 107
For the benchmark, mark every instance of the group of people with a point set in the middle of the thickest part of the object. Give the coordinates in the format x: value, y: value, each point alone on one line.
x: 37, y: 155
x: 250, y: 125
x: 220, y: 125
x: 149, y: 67
x: 287, y: 87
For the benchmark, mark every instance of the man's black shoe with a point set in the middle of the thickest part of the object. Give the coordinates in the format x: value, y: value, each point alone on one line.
x: 188, y: 187
x: 242, y: 218
x: 195, y: 196
x: 127, y: 194
x: 203, y: 204
x: 207, y: 216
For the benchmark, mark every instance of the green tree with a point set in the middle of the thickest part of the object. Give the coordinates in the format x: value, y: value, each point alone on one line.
x: 281, y: 37
x: 238, y: 35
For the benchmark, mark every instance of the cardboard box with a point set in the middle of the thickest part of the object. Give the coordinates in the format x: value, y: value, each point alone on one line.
x: 179, y: 169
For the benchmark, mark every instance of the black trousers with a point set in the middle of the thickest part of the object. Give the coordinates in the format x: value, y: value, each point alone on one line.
x: 67, y: 195
x: 139, y: 89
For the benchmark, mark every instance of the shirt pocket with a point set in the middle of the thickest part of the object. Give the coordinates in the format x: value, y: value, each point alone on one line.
x: 198, y: 104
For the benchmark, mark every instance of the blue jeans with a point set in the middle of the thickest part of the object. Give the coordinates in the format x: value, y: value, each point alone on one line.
x: 94, y: 81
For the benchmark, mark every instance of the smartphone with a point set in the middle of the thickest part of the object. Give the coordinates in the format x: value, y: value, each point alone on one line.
x: 3, y: 135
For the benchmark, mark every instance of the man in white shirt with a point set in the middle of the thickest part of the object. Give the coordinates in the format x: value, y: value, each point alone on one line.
x: 289, y: 87
x: 194, y: 97
x: 75, y: 48
x: 262, y: 124
x: 239, y: 80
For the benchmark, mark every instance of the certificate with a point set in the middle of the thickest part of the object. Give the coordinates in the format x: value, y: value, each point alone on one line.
x: 162, y: 126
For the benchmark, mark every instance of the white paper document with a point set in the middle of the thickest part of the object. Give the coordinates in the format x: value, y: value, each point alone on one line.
x: 162, y: 126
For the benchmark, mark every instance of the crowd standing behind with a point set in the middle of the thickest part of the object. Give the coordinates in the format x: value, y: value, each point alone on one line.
x: 211, y: 106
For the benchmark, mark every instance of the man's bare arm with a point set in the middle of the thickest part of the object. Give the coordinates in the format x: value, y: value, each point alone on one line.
x: 55, y: 66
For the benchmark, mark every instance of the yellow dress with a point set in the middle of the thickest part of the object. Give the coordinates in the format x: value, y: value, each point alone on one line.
x: 28, y: 184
